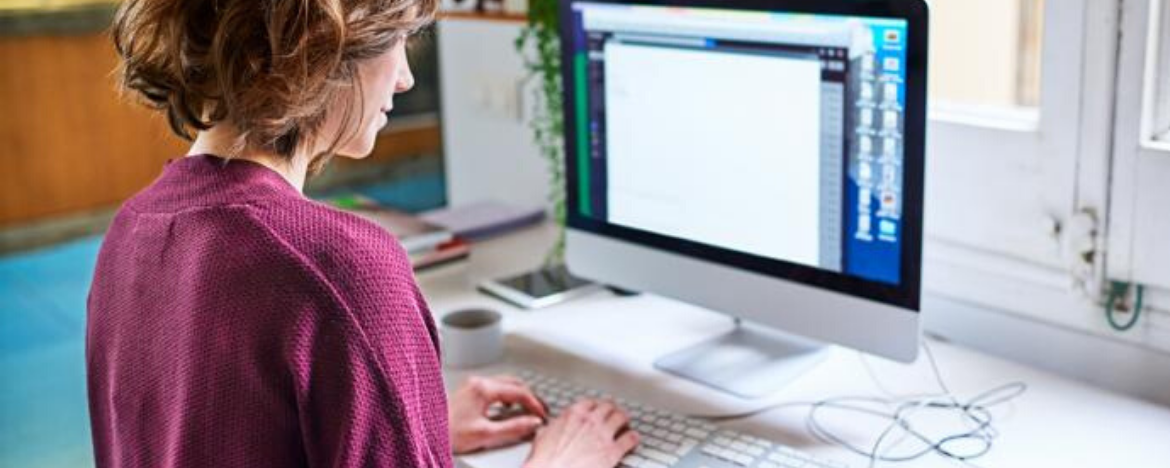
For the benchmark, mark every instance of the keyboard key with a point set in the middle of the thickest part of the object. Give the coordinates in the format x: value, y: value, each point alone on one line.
x: 664, y: 446
x: 712, y: 451
x: 742, y: 459
x: 654, y: 454
x: 696, y: 433
x: 668, y: 447
x: 821, y: 463
x: 633, y: 461
x: 793, y: 463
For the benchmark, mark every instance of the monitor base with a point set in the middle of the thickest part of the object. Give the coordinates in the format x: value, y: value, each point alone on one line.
x: 749, y: 362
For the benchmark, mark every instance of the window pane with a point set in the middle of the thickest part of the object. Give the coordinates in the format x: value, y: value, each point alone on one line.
x: 1159, y: 47
x: 986, y: 53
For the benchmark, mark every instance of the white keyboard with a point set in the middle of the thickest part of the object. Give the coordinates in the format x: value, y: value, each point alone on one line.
x: 671, y: 440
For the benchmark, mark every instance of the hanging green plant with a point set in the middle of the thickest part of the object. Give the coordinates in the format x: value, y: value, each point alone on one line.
x: 544, y: 64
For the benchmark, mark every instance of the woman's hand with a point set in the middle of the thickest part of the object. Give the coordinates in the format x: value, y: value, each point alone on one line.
x: 590, y: 434
x: 472, y: 429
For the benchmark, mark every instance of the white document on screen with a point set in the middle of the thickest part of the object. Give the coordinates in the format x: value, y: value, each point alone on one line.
x: 715, y: 147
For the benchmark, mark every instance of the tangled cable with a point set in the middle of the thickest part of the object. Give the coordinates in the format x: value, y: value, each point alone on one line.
x: 972, y: 443
x: 963, y: 446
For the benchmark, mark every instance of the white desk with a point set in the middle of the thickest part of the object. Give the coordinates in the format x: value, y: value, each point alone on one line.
x: 610, y: 343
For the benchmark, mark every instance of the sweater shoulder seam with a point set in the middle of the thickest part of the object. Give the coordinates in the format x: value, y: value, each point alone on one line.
x: 336, y: 297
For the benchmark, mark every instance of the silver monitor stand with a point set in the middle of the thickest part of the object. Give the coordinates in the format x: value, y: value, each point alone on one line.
x: 750, y: 361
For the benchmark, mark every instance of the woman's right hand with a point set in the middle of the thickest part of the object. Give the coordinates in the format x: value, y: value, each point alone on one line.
x: 588, y: 434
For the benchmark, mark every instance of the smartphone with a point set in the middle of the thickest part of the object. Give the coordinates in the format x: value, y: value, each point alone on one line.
x: 539, y: 288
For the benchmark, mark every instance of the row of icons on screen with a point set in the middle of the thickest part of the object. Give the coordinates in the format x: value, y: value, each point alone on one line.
x: 880, y: 177
x: 889, y: 146
x: 887, y: 225
x: 889, y: 119
x: 889, y: 93
x: 889, y: 64
x: 887, y: 228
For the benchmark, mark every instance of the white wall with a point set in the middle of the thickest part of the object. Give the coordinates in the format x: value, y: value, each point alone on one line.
x: 487, y: 144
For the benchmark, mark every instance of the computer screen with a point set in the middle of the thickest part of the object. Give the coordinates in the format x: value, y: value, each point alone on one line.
x: 775, y: 135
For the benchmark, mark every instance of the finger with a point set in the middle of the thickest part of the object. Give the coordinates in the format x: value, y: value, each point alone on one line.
x: 584, y: 405
x: 509, y: 379
x: 602, y: 411
x: 616, y: 420
x: 509, y: 393
x: 528, y: 388
x: 625, y: 443
x: 529, y: 400
x: 510, y: 431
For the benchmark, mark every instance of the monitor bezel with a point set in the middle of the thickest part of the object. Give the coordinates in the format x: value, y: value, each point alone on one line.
x: 906, y: 294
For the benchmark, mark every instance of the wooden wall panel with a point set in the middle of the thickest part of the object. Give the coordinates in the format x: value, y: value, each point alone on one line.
x: 69, y: 142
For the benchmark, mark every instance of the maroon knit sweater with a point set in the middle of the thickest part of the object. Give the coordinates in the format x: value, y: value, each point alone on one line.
x: 235, y: 323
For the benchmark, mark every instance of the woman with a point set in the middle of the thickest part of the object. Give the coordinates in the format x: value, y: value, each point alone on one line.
x: 232, y: 321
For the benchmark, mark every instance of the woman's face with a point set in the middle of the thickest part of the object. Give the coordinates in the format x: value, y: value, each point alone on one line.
x: 381, y: 78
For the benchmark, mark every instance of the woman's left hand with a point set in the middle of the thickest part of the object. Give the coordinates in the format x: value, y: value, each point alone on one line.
x: 470, y: 425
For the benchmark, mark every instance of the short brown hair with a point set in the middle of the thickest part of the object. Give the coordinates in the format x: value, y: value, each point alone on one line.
x: 268, y: 67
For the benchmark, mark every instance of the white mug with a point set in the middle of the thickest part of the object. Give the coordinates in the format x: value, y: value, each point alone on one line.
x: 471, y: 337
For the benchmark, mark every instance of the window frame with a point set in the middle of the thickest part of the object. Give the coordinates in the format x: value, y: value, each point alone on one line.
x: 1023, y: 249
x: 1141, y: 160
x: 1155, y: 92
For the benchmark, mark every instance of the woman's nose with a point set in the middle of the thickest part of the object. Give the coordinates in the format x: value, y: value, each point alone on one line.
x: 405, y: 81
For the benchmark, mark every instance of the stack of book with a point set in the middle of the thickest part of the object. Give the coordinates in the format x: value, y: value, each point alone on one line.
x: 428, y: 244
x: 485, y: 219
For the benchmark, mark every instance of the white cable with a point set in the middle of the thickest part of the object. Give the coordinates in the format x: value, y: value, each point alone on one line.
x: 899, y: 410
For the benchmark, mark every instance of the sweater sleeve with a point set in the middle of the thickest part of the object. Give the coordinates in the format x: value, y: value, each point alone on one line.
x: 372, y: 390
x: 350, y: 414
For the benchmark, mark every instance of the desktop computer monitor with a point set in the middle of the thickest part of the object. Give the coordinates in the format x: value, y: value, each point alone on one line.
x: 761, y: 158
